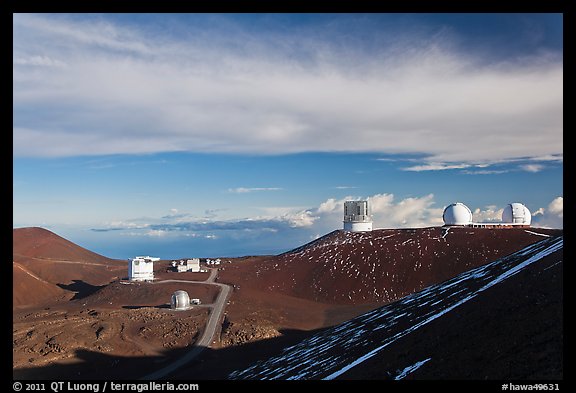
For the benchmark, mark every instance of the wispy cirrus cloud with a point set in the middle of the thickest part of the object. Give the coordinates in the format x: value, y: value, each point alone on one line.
x: 435, y: 167
x: 532, y: 167
x: 245, y: 190
x: 485, y: 171
x: 87, y: 86
x: 526, y: 164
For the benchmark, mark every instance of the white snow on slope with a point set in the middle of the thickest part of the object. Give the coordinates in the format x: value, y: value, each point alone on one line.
x: 536, y: 233
x: 411, y: 369
x: 330, y: 353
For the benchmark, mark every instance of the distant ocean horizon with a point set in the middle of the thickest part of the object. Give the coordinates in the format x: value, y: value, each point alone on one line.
x: 117, y: 246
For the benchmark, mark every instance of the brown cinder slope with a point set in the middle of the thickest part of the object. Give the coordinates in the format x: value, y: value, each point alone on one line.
x: 35, y: 242
x: 44, y: 263
x: 23, y: 280
x: 502, y: 320
x: 380, y: 266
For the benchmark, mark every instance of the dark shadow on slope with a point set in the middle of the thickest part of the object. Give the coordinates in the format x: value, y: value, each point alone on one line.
x: 82, y: 288
x: 212, y: 364
x: 160, y: 306
x: 513, y: 331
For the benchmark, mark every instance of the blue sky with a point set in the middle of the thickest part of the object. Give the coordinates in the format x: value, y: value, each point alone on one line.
x: 181, y: 135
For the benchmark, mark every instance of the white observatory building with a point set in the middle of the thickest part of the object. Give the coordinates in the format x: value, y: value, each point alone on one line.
x: 180, y: 301
x: 514, y: 215
x: 357, y: 217
x: 141, y: 268
x: 457, y: 214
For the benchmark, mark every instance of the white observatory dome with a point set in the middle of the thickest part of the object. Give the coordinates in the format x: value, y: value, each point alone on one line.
x: 180, y: 300
x: 457, y: 214
x: 516, y: 213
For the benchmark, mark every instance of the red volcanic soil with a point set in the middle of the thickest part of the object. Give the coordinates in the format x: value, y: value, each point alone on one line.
x: 24, y: 281
x: 74, y: 317
x: 514, y: 331
x: 127, y: 294
x: 47, y: 267
x: 162, y: 271
x: 41, y: 243
x: 67, y: 342
x: 376, y: 267
x: 500, y: 321
x: 344, y: 274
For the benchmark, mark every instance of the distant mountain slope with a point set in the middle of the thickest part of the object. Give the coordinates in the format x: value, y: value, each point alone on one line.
x: 24, y: 280
x: 379, y: 266
x: 34, y: 242
x: 449, y: 330
x: 45, y: 265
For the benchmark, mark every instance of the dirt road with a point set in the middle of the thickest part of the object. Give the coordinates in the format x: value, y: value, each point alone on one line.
x: 212, y: 327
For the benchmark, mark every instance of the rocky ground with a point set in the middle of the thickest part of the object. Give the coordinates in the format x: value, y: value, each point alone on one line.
x: 56, y: 336
x: 79, y: 319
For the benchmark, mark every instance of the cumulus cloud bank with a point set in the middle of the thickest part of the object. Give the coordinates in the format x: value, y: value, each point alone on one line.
x: 552, y: 216
x: 97, y: 87
x: 386, y: 210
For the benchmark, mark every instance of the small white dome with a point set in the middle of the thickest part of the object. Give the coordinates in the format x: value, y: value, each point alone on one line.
x: 457, y: 214
x: 180, y: 300
x: 516, y: 213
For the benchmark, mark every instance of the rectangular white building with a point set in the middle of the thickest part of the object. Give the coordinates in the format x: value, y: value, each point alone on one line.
x: 141, y: 268
x: 193, y: 265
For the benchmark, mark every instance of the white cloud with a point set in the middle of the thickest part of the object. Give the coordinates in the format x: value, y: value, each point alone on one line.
x: 300, y: 219
x: 491, y: 213
x: 386, y: 212
x: 331, y: 205
x: 126, y: 90
x: 435, y: 167
x: 550, y: 217
x: 155, y: 233
x: 326, y: 217
x: 42, y: 61
x: 244, y: 190
x: 295, y: 217
x: 532, y: 167
x: 485, y: 172
x: 409, y: 212
x: 557, y: 207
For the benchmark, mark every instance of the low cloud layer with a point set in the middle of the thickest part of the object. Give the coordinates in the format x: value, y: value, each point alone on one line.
x: 95, y: 87
x: 387, y: 212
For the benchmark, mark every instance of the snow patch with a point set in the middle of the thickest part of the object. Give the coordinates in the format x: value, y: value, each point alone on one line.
x: 536, y: 233
x: 410, y: 369
x: 327, y: 354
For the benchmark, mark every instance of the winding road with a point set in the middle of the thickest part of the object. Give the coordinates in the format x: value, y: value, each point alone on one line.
x: 216, y: 314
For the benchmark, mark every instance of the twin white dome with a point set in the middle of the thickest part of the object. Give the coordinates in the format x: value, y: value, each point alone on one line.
x: 459, y: 214
x: 516, y: 213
